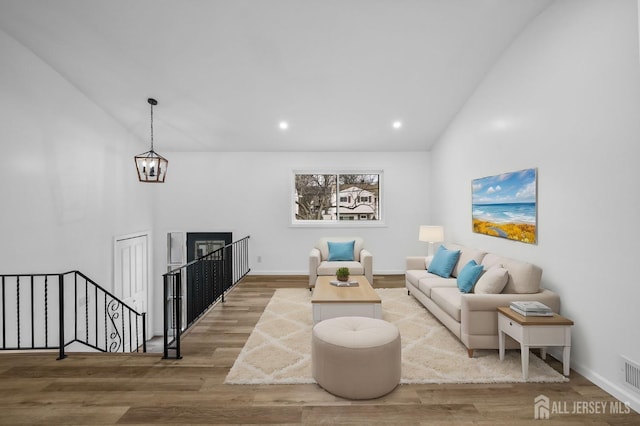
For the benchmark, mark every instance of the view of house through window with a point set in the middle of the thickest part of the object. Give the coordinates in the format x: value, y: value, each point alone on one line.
x: 337, y: 196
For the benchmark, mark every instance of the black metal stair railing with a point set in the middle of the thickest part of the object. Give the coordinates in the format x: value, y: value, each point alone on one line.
x: 192, y: 289
x: 54, y: 311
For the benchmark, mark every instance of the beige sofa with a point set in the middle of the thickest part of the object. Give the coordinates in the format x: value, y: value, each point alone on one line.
x: 472, y: 317
x: 319, y: 263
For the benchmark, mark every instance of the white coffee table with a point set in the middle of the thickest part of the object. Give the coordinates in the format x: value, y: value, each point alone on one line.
x: 329, y: 301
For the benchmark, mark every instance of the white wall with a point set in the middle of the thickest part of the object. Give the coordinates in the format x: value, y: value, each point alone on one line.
x: 68, y: 182
x: 250, y: 194
x: 565, y: 98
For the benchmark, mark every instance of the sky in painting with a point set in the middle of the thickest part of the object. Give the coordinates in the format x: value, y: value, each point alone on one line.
x: 513, y: 187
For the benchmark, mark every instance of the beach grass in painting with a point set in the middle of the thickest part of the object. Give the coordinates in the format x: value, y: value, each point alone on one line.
x: 505, y: 206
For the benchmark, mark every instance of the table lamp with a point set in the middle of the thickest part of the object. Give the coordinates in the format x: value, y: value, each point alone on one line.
x: 431, y: 234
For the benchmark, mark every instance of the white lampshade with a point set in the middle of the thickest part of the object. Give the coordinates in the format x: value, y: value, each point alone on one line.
x: 431, y: 234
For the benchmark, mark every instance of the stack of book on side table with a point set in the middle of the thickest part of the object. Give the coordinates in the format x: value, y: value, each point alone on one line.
x: 531, y: 309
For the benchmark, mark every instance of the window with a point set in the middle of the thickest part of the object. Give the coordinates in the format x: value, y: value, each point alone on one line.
x: 325, y: 198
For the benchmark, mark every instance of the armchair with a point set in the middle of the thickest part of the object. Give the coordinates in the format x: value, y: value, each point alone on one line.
x: 319, y: 263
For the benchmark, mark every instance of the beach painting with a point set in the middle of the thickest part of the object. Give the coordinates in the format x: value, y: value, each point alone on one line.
x: 505, y: 205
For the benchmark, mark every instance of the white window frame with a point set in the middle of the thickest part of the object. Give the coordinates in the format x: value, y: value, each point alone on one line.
x: 338, y: 223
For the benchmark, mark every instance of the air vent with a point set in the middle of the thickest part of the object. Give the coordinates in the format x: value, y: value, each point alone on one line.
x: 631, y: 374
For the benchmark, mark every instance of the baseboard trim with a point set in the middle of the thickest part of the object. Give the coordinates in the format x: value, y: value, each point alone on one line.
x: 306, y: 272
x: 619, y: 392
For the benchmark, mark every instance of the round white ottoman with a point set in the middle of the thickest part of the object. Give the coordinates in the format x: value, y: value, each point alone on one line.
x: 356, y: 357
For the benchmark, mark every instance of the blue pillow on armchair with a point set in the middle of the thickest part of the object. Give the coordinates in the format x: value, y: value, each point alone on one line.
x: 443, y: 262
x: 341, y: 250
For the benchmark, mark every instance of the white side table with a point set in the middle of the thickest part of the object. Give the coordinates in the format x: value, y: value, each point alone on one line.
x: 535, y: 332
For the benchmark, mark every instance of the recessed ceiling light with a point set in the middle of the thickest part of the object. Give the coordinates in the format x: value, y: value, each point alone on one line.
x: 501, y: 124
x: 397, y: 124
x: 283, y: 125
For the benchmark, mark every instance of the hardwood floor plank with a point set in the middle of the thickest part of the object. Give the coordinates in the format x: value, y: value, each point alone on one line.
x: 213, y: 415
x: 35, y: 388
x: 49, y: 415
x: 386, y: 414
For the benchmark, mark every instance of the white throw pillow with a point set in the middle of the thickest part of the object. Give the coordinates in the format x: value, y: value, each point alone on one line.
x: 492, y: 281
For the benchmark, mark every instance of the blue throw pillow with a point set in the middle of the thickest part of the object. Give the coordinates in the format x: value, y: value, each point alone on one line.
x: 340, y: 250
x: 443, y: 262
x: 469, y: 275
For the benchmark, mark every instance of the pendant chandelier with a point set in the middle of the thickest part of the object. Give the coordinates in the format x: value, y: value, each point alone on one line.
x: 151, y: 166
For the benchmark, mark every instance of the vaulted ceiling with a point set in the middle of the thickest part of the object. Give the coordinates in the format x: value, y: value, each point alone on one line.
x: 227, y: 72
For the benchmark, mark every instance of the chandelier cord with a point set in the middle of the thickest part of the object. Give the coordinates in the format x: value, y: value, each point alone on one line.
x: 151, y: 127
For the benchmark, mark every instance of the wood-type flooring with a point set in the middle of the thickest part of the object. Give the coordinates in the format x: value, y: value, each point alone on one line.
x: 144, y: 389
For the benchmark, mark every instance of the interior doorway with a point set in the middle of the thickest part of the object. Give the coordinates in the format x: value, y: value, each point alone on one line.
x: 131, y: 272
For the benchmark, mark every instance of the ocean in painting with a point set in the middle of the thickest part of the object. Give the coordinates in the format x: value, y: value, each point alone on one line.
x: 506, y: 213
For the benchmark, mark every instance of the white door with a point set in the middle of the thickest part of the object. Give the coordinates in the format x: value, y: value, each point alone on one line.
x: 131, y: 272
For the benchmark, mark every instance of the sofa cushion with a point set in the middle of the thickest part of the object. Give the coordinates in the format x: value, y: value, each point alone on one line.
x: 432, y: 281
x: 524, y: 278
x: 330, y: 268
x: 466, y: 254
x: 415, y: 275
x: 448, y: 299
x: 492, y: 281
x: 468, y: 276
x: 443, y: 262
x: 339, y: 250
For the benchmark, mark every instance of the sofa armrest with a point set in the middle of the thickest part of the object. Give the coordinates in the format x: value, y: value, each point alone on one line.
x: 314, y: 262
x: 418, y: 262
x: 366, y: 258
x: 489, y: 302
x: 478, y: 314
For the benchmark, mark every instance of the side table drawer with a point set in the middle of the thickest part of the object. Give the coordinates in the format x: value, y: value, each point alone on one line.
x: 510, y: 327
x: 548, y: 336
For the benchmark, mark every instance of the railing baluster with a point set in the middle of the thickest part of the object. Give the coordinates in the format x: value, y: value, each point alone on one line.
x: 75, y: 307
x: 166, y: 316
x: 18, y: 308
x: 46, y: 311
x: 61, y: 315
x: 144, y: 332
x: 106, y: 326
x: 137, y: 339
x: 95, y: 303
x: 178, y: 305
x: 33, y: 328
x: 122, y: 316
x: 86, y: 310
x: 4, y: 318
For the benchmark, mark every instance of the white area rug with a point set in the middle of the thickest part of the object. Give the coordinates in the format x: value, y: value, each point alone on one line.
x: 278, y: 350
